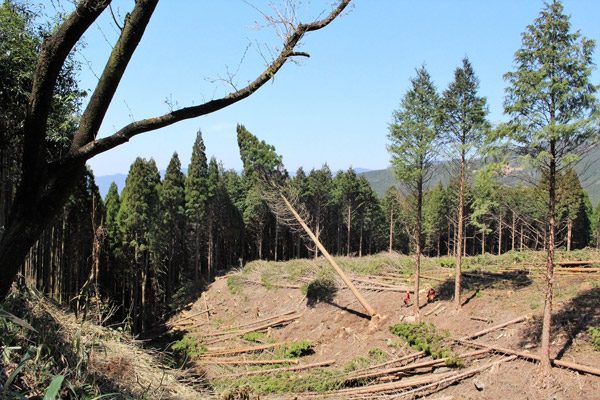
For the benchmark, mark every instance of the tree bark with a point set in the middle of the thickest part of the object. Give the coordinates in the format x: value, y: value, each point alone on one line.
x: 459, y: 247
x: 392, y: 229
x: 545, y: 363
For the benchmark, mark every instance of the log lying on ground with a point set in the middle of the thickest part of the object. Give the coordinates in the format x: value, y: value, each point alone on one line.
x: 267, y: 371
x: 376, y: 283
x: 494, y: 328
x: 406, y: 358
x: 444, y: 383
x: 245, y: 349
x: 434, y: 309
x: 237, y: 329
x: 534, y: 357
x: 216, y: 361
x: 433, y: 279
x: 418, y: 381
x: 228, y: 335
x: 410, y: 367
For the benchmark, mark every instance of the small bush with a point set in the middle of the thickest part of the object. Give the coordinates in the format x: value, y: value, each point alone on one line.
x: 254, y: 336
x: 185, y: 349
x: 594, y: 337
x: 377, y: 354
x: 322, y: 288
x: 298, y: 349
x: 424, y: 337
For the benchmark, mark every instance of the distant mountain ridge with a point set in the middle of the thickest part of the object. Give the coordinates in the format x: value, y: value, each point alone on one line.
x: 588, y: 170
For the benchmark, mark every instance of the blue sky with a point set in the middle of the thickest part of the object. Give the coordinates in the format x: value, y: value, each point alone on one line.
x: 336, y: 106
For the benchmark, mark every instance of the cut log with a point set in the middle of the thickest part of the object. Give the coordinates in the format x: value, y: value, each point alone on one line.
x: 229, y: 335
x: 406, y: 358
x: 428, y: 363
x: 267, y: 371
x: 216, y: 361
x: 434, y: 309
x: 431, y: 278
x: 245, y: 349
x: 239, y: 327
x: 529, y: 356
x: 494, y: 328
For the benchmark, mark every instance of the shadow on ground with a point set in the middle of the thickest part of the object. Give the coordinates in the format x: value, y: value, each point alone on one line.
x: 476, y: 281
x: 576, y: 316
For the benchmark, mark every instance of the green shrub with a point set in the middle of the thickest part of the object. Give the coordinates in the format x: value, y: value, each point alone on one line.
x: 297, y: 349
x: 185, y: 349
x: 254, y: 336
x: 424, y: 337
x: 322, y: 288
x: 594, y: 337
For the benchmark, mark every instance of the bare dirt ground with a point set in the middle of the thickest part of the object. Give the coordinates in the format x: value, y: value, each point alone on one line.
x: 340, y: 331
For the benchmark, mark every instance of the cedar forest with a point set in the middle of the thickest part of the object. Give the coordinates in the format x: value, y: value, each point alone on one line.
x: 153, y: 245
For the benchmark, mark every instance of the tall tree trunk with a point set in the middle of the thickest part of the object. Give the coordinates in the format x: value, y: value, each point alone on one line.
x: 521, y: 237
x: 514, y: 228
x: 317, y: 229
x: 459, y: 247
x: 499, y: 235
x: 391, y: 228
x: 348, y: 221
x: 276, y: 240
x: 569, y: 234
x: 418, y: 240
x: 483, y: 241
x: 550, y: 246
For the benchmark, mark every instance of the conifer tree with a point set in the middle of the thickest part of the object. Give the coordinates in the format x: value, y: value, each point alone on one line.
x: 554, y: 115
x: 319, y: 197
x: 138, y: 221
x: 464, y: 127
x: 173, y: 225
x: 347, y: 197
x: 196, y: 195
x: 414, y: 136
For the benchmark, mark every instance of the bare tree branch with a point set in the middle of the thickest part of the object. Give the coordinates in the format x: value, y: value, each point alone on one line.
x: 84, y: 150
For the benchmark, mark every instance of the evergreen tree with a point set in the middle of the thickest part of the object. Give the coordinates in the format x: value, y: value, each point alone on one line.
x: 436, y: 210
x: 173, y: 225
x: 393, y: 208
x: 463, y: 125
x: 138, y: 221
x: 114, y: 271
x: 346, y: 194
x: 414, y: 137
x: 554, y: 115
x: 196, y: 196
x: 319, y: 197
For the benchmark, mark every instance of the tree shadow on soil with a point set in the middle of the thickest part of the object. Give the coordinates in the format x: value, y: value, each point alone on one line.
x: 348, y: 310
x: 576, y: 316
x: 479, y: 280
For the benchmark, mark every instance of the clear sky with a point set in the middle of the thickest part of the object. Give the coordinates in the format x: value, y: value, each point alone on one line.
x: 336, y: 106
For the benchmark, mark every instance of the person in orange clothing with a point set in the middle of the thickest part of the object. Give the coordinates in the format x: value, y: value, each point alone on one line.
x: 406, y: 299
x: 430, y: 295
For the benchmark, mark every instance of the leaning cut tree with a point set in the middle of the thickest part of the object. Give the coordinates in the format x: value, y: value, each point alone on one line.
x: 46, y: 183
x: 284, y: 203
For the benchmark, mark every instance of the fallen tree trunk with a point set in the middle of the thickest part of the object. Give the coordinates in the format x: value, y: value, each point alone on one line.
x: 529, y: 356
x: 429, y: 363
x: 494, y: 328
x: 245, y: 349
x: 229, y: 335
x: 181, y: 321
x: 216, y: 361
x: 420, y: 381
x: 267, y: 371
x: 239, y: 327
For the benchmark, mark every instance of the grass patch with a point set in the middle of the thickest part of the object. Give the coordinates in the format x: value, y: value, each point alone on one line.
x: 295, y: 350
x: 594, y: 337
x: 257, y: 337
x: 235, y: 284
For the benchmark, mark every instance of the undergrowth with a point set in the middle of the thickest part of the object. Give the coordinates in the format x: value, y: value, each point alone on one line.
x: 424, y: 337
x: 594, y: 337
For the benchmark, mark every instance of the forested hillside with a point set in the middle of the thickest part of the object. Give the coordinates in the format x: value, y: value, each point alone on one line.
x: 588, y: 171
